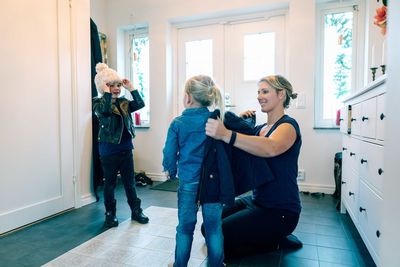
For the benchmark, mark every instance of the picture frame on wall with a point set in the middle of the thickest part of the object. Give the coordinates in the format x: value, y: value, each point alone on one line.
x: 103, y: 46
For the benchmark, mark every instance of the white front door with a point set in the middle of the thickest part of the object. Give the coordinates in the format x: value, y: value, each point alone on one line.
x: 200, y: 51
x: 36, y: 137
x: 236, y: 54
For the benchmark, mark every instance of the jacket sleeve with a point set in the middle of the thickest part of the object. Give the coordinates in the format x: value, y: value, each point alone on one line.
x: 102, y: 105
x: 238, y: 124
x: 137, y: 102
x: 171, y: 151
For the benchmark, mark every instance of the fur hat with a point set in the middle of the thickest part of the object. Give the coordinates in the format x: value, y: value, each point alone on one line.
x: 103, y: 76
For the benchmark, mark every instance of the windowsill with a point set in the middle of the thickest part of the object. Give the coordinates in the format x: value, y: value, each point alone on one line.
x: 142, y: 126
x: 326, y: 128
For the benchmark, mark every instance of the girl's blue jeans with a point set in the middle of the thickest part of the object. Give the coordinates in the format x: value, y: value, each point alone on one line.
x: 187, y: 216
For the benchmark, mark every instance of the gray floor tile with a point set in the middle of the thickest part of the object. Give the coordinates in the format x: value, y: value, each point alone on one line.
x: 293, y: 262
x: 330, y: 238
x: 339, y: 256
x: 306, y: 252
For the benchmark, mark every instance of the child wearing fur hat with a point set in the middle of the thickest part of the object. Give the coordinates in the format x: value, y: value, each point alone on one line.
x: 116, y: 131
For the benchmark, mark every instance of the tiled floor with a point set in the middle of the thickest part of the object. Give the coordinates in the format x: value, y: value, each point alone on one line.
x: 330, y: 238
x: 133, y: 244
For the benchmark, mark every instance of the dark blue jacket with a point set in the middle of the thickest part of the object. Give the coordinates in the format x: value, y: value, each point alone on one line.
x: 216, y: 179
x: 226, y: 171
x: 249, y: 171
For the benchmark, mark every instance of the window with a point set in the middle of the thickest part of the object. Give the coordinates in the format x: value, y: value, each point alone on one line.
x: 199, y: 58
x: 139, y: 72
x: 258, y: 51
x: 336, y: 70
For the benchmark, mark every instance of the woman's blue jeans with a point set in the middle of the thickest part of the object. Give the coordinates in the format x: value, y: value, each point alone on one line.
x: 187, y: 216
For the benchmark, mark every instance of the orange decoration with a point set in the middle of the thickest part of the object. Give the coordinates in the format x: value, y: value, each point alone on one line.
x: 380, y: 18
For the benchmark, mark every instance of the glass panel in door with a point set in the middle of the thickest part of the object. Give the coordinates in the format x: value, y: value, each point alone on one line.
x: 200, y: 51
x: 253, y: 50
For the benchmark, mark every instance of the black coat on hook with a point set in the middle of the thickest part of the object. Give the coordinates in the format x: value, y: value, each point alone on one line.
x: 96, y: 57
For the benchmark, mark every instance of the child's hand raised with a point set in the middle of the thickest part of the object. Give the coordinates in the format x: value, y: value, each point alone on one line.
x: 106, y: 88
x: 127, y: 85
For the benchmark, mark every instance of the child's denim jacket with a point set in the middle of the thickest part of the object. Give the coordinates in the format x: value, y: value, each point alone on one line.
x: 184, y: 147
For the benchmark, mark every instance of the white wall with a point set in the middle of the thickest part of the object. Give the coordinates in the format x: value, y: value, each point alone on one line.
x: 375, y: 41
x: 82, y: 98
x: 317, y: 153
x: 98, y: 14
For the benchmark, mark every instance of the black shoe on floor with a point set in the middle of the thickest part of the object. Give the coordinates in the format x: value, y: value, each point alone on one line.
x: 138, y: 216
x: 111, y: 220
x: 290, y: 242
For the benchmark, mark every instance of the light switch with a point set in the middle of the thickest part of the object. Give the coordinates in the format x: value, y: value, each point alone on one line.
x: 301, y: 101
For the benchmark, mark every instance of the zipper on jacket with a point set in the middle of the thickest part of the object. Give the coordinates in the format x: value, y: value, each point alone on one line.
x: 122, y: 119
x: 123, y: 126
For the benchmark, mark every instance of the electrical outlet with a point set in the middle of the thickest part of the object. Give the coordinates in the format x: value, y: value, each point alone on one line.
x: 301, y: 175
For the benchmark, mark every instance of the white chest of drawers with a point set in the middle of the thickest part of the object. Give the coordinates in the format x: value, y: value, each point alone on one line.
x: 362, y: 124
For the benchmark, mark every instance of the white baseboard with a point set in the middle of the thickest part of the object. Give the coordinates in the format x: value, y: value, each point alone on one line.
x: 87, y: 199
x: 157, y: 176
x: 313, y: 188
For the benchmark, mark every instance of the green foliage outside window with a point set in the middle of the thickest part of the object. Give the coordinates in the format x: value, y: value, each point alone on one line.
x: 138, y: 45
x: 342, y: 23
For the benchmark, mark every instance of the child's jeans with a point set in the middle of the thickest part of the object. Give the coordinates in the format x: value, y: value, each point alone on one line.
x: 187, y: 215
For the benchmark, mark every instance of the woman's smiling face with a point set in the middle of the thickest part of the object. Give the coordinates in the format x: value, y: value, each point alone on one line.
x: 268, y: 97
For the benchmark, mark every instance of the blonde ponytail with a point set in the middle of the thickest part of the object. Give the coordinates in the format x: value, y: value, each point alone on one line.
x: 204, y: 90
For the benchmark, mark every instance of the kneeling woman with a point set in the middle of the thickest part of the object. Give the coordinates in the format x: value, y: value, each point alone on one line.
x: 265, y: 220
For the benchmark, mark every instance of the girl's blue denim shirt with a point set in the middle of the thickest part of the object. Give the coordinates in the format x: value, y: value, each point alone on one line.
x: 184, y: 147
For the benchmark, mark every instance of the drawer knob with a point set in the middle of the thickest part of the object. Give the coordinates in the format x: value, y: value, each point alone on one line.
x: 353, y: 119
x: 364, y: 118
x: 343, y: 182
x: 352, y: 154
x: 351, y: 193
x: 362, y: 209
x: 380, y: 171
x: 344, y: 148
x: 363, y: 160
x: 378, y: 233
x: 382, y: 116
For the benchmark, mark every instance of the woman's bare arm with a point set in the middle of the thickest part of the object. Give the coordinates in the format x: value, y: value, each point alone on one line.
x: 277, y: 143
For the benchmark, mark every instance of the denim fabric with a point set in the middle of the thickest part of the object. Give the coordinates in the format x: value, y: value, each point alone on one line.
x: 187, y: 215
x: 184, y: 147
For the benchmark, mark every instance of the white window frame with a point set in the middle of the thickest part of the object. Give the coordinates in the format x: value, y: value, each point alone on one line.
x: 358, y: 8
x: 138, y: 32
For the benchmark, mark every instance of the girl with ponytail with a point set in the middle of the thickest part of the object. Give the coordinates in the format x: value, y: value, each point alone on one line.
x: 183, y: 155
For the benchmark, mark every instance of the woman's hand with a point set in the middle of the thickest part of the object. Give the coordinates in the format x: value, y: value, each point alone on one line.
x: 127, y: 85
x: 247, y: 114
x: 217, y: 130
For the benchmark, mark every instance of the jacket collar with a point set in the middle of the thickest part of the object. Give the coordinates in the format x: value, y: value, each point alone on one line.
x: 189, y: 111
